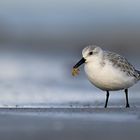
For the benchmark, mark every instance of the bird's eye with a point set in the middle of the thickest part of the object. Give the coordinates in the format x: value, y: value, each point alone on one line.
x: 90, y: 53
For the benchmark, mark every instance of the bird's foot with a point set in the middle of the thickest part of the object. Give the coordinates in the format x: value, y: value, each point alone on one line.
x: 127, y: 106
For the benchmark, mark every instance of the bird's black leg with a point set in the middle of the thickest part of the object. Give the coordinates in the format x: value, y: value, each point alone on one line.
x: 127, y: 102
x: 107, y: 97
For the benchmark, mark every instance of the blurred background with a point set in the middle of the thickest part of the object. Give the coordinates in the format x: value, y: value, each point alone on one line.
x: 40, y: 41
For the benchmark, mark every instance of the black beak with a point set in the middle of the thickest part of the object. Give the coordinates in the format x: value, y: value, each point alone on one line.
x: 80, y: 63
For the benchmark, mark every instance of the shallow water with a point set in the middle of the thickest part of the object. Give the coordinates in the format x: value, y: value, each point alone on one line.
x: 69, y: 123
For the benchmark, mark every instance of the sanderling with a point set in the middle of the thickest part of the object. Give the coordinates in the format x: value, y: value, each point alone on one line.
x: 108, y: 71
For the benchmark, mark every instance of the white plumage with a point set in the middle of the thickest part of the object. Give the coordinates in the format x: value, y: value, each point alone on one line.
x: 104, y: 74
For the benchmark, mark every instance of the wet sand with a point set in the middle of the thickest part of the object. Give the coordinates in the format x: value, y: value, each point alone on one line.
x: 69, y: 123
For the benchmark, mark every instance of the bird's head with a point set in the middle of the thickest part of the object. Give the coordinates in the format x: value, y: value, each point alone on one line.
x: 88, y: 54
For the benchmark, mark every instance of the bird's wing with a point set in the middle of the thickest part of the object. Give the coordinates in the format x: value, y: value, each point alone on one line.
x: 121, y: 62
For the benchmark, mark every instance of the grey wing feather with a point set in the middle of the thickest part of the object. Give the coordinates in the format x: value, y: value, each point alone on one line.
x: 121, y: 62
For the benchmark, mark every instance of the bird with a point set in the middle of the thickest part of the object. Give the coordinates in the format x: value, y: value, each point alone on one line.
x: 107, y: 71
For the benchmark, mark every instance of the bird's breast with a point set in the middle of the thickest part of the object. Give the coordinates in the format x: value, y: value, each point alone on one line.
x: 107, y: 77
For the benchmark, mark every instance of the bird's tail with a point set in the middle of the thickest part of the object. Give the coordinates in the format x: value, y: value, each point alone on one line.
x: 138, y: 73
